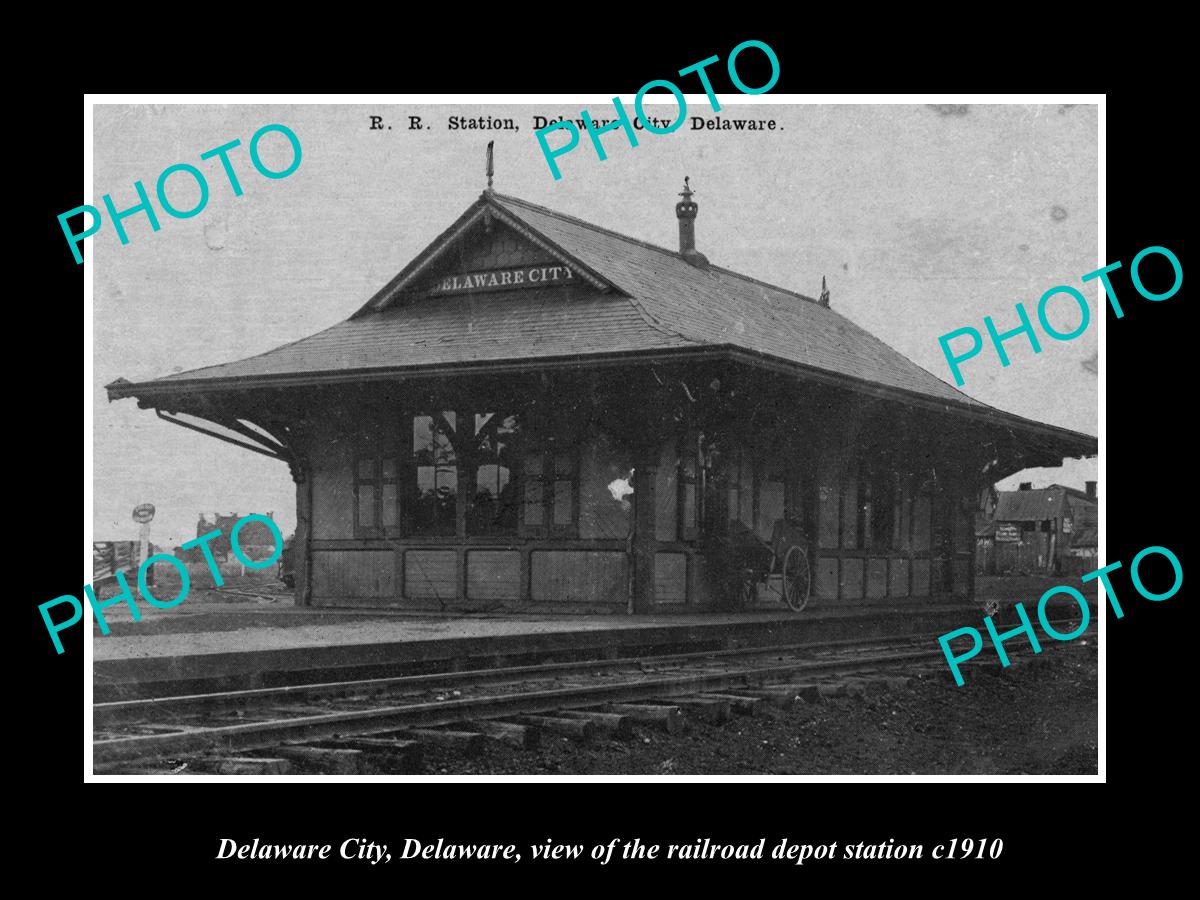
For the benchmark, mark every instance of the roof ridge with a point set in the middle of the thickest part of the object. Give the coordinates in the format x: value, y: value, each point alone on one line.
x: 673, y: 253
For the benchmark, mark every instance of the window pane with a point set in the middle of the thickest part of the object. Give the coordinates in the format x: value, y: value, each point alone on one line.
x: 366, y: 506
x: 883, y: 506
x: 366, y: 469
x: 770, y: 507
x: 388, y: 505
x: 389, y: 467
x: 533, y: 502
x: 850, y: 513
x: 533, y: 465
x: 747, y: 495
x: 963, y: 525
x: 687, y: 466
x: 689, y: 506
x: 435, y: 506
x: 563, y: 502
x: 493, y: 508
x: 828, y: 513
x: 564, y: 466
x: 921, y: 524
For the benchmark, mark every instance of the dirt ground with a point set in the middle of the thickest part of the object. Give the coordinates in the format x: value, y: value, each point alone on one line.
x: 1037, y: 719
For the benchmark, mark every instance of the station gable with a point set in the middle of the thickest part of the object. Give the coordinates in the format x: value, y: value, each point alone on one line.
x: 493, y: 259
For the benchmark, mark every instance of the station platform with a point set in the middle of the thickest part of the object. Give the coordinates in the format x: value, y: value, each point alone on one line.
x: 251, y: 647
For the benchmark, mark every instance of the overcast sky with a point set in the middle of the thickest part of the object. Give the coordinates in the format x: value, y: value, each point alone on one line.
x: 923, y: 219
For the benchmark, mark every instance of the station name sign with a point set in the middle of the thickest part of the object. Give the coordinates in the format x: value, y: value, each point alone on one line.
x: 503, y: 279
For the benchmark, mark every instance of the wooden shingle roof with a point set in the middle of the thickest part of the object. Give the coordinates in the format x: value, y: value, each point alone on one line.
x: 648, y: 300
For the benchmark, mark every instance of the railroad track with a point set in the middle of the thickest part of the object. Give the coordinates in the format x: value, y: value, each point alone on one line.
x: 382, y: 724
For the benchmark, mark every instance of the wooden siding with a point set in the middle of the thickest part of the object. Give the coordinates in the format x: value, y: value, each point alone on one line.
x: 670, y: 578
x: 494, y: 575
x: 579, y: 577
x: 431, y: 574
x: 353, y: 573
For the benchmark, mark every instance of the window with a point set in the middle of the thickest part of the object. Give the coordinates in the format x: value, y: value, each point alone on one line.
x: 550, y: 492
x: 880, y: 521
x: 468, y: 474
x: 534, y: 501
x: 740, y: 488
x: 689, y: 467
x: 435, y: 475
x: 375, y: 495
x: 493, y: 506
x: 564, y: 490
x: 771, y: 495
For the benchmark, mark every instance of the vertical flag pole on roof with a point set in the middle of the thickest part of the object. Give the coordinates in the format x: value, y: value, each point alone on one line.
x: 489, y: 164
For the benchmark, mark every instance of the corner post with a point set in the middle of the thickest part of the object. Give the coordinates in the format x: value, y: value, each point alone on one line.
x: 645, y: 541
x: 302, y: 543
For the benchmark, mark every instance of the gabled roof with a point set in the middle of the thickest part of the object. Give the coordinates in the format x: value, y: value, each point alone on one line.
x: 1077, y: 494
x: 1030, y: 506
x: 1085, y: 537
x: 647, y: 300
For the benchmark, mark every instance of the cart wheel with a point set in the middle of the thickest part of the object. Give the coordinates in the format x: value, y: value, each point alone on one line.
x: 797, y: 579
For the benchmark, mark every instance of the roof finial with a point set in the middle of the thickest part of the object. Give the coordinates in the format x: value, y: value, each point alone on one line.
x: 824, y: 301
x: 489, y: 164
x: 686, y: 194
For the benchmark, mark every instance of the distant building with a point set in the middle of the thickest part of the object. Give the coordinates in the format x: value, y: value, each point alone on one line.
x: 254, y: 538
x: 1047, y: 531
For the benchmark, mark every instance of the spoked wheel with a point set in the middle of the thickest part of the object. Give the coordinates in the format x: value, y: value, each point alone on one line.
x: 797, y: 578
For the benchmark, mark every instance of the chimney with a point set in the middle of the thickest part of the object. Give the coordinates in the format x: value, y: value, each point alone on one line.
x: 685, y: 211
x: 1091, y: 489
x: 1026, y: 486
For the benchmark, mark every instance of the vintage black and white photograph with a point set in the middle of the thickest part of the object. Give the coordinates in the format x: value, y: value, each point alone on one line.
x: 411, y: 459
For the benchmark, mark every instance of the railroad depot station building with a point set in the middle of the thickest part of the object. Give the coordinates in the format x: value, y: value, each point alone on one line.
x: 540, y: 414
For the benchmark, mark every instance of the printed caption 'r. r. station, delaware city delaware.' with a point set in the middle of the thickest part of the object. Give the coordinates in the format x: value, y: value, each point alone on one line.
x: 495, y: 123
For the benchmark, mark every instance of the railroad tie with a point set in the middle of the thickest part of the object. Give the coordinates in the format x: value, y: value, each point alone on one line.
x: 523, y: 736
x: 709, y: 709
x: 468, y: 743
x: 583, y: 730
x: 330, y: 761
x: 668, y: 718
x: 394, y: 753
x: 789, y: 695
x: 865, y: 687
x: 242, y: 765
x: 742, y: 705
x: 610, y: 725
